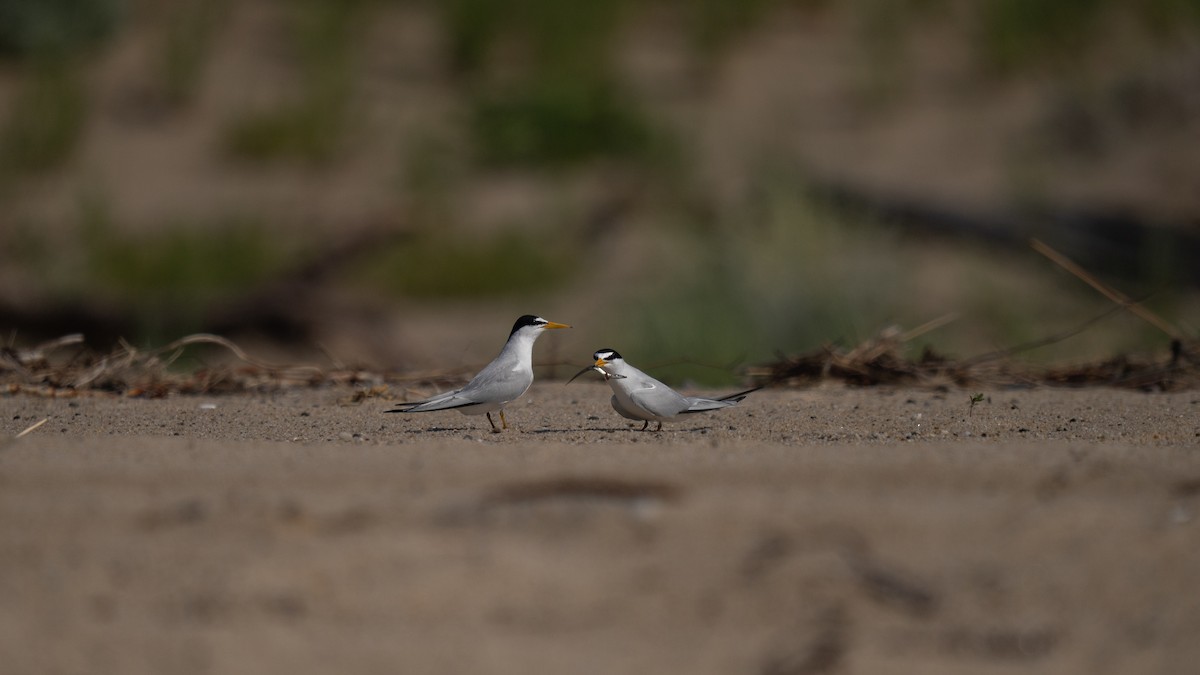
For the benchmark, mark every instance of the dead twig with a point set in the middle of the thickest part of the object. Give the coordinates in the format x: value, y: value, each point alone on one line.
x: 1112, y: 294
x: 929, y: 326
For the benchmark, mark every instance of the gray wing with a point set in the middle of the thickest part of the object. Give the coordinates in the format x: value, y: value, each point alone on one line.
x: 658, y: 399
x: 499, y: 381
x: 496, y: 383
x: 697, y: 404
x: 446, y: 401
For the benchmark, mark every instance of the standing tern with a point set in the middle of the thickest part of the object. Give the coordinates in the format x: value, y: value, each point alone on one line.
x: 500, y: 382
x: 637, y: 396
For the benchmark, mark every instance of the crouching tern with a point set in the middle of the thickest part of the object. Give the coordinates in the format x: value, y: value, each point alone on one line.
x: 637, y: 396
x: 500, y: 382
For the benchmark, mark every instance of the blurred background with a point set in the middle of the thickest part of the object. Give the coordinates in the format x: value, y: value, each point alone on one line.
x: 700, y: 184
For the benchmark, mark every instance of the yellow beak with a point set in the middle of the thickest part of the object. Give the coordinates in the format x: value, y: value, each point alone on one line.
x: 601, y: 362
x: 551, y: 324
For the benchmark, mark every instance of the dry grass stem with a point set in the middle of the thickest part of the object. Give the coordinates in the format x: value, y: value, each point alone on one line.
x: 1111, y: 293
x: 32, y: 427
x: 67, y: 367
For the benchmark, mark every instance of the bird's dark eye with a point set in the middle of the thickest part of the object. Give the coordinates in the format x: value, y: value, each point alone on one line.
x: 528, y: 320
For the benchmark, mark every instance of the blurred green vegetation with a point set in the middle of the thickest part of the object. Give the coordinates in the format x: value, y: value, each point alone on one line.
x: 444, y: 265
x: 310, y: 127
x: 184, y: 261
x: 537, y: 88
x: 50, y: 40
x: 1017, y: 35
x: 37, y: 28
x: 540, y: 81
x: 560, y: 122
x: 45, y: 120
x: 537, y: 76
x: 544, y: 36
x: 713, y: 25
x: 177, y: 273
x: 191, y: 27
x: 786, y: 273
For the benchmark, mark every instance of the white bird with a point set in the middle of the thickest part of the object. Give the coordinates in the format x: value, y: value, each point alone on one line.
x: 500, y: 382
x: 637, y: 396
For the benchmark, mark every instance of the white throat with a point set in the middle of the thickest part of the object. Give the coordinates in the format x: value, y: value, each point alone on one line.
x: 520, y: 345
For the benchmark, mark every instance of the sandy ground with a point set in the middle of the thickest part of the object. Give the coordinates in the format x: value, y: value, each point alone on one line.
x: 826, y: 530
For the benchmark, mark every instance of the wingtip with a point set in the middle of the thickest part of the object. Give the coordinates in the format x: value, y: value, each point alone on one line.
x: 738, y: 397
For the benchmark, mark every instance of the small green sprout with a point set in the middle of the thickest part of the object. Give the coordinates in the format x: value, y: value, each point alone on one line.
x: 975, y: 398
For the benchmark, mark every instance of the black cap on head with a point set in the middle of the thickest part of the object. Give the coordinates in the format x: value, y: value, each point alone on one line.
x: 606, y: 354
x: 528, y: 320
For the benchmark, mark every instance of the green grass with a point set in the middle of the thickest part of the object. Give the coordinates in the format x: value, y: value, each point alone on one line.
x: 168, y: 277
x: 1021, y: 35
x: 49, y: 41
x: 786, y: 273
x: 443, y: 264
x: 779, y: 273
x: 555, y: 123
x: 190, y: 30
x: 539, y: 80
x: 45, y: 121
x: 310, y: 126
x: 183, y: 262
x: 713, y: 25
x: 538, y: 89
x: 549, y: 36
x: 176, y: 273
x: 55, y: 28
x: 308, y: 131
